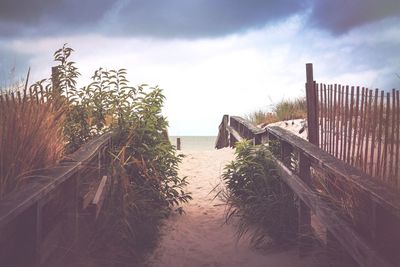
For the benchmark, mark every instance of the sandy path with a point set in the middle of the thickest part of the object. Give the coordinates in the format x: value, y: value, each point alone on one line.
x: 200, y: 237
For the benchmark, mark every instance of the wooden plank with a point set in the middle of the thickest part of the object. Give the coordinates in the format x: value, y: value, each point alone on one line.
x: 247, y: 124
x: 234, y: 133
x: 325, y: 107
x: 367, y: 130
x: 378, y: 172
x: 356, y: 128
x: 99, y: 197
x: 337, y: 123
x: 392, y: 136
x: 362, y: 127
x: 385, y: 196
x: 398, y: 139
x: 334, y: 128
x: 331, y: 120
x: 321, y: 116
x: 354, y: 244
x: 385, y: 144
x: 374, y: 122
x: 350, y: 119
x: 346, y: 110
x: 341, y: 121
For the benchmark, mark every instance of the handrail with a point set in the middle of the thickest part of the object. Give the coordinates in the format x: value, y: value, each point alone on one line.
x: 41, y: 220
x: 383, y: 195
x: 384, y: 202
x: 235, y: 128
x: 44, y: 182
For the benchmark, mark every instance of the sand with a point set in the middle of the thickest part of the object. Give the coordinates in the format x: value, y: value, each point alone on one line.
x: 201, y: 237
x: 295, y: 126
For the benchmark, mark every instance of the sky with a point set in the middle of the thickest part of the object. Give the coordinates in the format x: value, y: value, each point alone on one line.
x: 211, y: 57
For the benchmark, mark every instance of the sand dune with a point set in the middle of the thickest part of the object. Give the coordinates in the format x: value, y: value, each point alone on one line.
x: 200, y: 237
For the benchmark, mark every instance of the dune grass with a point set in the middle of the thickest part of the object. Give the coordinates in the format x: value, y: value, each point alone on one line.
x: 283, y: 110
x: 30, y: 139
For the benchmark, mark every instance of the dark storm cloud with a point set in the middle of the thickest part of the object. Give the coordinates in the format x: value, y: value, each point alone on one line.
x: 340, y: 16
x: 198, y: 18
x: 180, y: 18
x: 166, y: 18
x: 47, y: 17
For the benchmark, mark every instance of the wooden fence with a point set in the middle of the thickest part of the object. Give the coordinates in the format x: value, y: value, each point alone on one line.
x: 41, y: 222
x: 361, y: 216
x: 359, y: 126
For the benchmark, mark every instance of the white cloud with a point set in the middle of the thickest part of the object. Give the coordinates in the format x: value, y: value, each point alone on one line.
x: 206, y: 78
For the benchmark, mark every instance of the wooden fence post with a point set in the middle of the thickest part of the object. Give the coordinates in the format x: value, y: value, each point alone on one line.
x: 55, y: 79
x: 258, y: 139
x: 312, y: 106
x: 305, y: 231
x: 178, y: 143
x: 225, y: 131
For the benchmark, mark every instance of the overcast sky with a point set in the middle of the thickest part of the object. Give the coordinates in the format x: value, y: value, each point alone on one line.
x: 212, y: 57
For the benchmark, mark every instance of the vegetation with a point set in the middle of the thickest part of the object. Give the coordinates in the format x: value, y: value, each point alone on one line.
x: 257, y: 199
x: 283, y: 110
x: 145, y: 185
x: 30, y: 139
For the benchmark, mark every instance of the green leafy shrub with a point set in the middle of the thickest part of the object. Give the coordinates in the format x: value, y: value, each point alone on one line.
x: 257, y: 198
x: 145, y: 186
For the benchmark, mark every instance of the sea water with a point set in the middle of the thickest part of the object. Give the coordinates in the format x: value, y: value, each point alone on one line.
x: 195, y: 143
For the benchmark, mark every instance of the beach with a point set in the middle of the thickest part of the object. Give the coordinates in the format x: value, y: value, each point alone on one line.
x: 200, y: 237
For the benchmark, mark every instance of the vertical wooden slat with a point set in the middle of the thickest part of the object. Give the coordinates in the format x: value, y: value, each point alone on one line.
x: 385, y: 144
x: 328, y: 121
x: 331, y: 119
x: 325, y: 120
x: 378, y: 171
x: 346, y: 114
x: 321, y: 116
x: 334, y: 129
x: 337, y: 120
x: 359, y: 136
x: 397, y: 138
x: 392, y: 152
x: 350, y: 119
x: 363, y: 127
x: 356, y: 127
x: 367, y: 129
x: 305, y: 230
x: 373, y: 129
x: 341, y: 123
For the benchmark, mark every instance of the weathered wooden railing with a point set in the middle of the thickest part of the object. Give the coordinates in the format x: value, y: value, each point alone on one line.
x: 40, y: 223
x: 370, y: 236
x: 234, y: 129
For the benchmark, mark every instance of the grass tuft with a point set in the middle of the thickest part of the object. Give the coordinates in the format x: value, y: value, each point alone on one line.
x: 30, y: 139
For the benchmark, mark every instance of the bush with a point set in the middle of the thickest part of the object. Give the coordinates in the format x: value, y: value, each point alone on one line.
x: 145, y: 186
x: 262, y: 204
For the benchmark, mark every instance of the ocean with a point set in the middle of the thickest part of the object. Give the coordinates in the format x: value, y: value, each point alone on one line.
x: 195, y: 143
